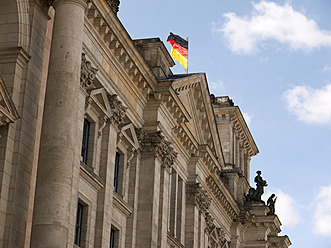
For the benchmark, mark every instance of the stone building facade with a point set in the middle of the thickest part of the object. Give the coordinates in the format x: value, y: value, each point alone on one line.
x: 103, y: 146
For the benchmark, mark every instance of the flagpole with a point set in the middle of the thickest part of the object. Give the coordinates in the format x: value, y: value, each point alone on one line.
x: 186, y: 70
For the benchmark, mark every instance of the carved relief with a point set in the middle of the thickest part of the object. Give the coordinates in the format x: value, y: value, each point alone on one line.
x: 154, y: 144
x: 87, y: 73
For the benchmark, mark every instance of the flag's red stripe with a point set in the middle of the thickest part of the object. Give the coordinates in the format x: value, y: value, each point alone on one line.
x: 183, y: 51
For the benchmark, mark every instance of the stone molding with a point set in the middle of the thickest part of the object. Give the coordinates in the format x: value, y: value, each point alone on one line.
x: 87, y: 74
x: 155, y: 144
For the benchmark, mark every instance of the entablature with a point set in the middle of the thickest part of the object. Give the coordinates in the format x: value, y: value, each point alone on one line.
x: 100, y: 18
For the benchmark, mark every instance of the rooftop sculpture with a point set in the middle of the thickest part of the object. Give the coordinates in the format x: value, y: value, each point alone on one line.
x: 254, y: 195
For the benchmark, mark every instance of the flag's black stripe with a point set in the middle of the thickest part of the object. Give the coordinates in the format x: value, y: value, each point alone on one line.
x: 179, y: 40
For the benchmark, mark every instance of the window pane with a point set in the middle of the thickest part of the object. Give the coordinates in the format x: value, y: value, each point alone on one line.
x: 86, y: 133
x: 79, y: 221
x: 112, y: 238
x: 116, y: 169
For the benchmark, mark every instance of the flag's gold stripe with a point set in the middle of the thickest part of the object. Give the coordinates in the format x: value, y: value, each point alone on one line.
x: 180, y: 58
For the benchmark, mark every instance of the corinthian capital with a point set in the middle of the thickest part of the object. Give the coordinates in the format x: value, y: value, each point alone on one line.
x: 196, y: 195
x: 154, y: 144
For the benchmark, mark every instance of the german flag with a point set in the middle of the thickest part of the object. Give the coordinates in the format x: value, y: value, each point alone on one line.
x: 179, y: 49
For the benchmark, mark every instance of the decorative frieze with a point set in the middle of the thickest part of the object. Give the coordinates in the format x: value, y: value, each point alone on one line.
x: 154, y: 144
x: 87, y: 73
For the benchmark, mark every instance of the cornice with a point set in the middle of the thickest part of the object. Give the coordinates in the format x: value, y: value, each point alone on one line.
x: 238, y: 122
x: 223, y: 195
x: 109, y: 28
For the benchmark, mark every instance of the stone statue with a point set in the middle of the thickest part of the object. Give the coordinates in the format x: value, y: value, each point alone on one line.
x: 271, y: 204
x: 255, y: 194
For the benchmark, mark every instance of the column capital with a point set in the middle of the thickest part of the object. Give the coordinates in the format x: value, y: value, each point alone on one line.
x: 155, y: 144
x: 56, y: 3
x: 196, y: 195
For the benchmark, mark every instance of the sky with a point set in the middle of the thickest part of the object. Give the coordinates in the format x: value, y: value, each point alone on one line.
x: 273, y: 58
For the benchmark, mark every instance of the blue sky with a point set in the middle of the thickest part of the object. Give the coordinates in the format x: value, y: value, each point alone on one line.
x: 273, y: 58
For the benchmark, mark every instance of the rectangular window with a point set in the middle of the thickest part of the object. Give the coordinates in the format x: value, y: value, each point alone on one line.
x: 79, y: 224
x: 116, y: 171
x: 114, y: 238
x: 86, y: 133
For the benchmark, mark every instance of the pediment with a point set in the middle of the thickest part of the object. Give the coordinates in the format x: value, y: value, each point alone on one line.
x: 129, y: 133
x: 194, y: 94
x: 8, y: 112
x: 99, y: 98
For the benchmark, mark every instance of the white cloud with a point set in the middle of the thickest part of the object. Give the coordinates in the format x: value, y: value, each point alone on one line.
x: 310, y: 105
x: 217, y: 88
x: 247, y: 118
x: 326, y: 68
x: 322, y: 215
x: 271, y: 21
x: 286, y: 208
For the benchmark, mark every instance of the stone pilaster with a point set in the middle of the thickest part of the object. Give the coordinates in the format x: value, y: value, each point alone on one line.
x: 105, y: 196
x: 59, y: 159
x: 197, y: 204
x: 133, y: 194
x: 109, y: 137
x: 164, y: 201
x: 157, y: 156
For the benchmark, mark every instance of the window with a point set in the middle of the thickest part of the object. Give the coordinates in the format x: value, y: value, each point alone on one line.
x: 114, y: 238
x: 116, y: 171
x: 86, y: 133
x: 79, y: 224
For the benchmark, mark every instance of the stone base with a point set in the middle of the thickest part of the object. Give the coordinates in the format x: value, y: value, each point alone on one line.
x: 257, y: 208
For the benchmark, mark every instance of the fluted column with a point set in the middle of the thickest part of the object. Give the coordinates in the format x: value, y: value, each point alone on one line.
x: 60, y: 141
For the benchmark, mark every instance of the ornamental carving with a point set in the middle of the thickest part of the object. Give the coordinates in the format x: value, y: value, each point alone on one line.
x: 154, y: 144
x: 87, y: 74
x: 196, y: 195
x: 118, y: 110
x: 114, y: 5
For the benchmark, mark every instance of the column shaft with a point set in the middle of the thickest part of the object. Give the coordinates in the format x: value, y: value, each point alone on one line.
x: 60, y: 139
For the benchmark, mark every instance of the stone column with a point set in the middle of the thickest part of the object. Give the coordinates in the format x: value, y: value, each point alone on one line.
x: 60, y: 141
